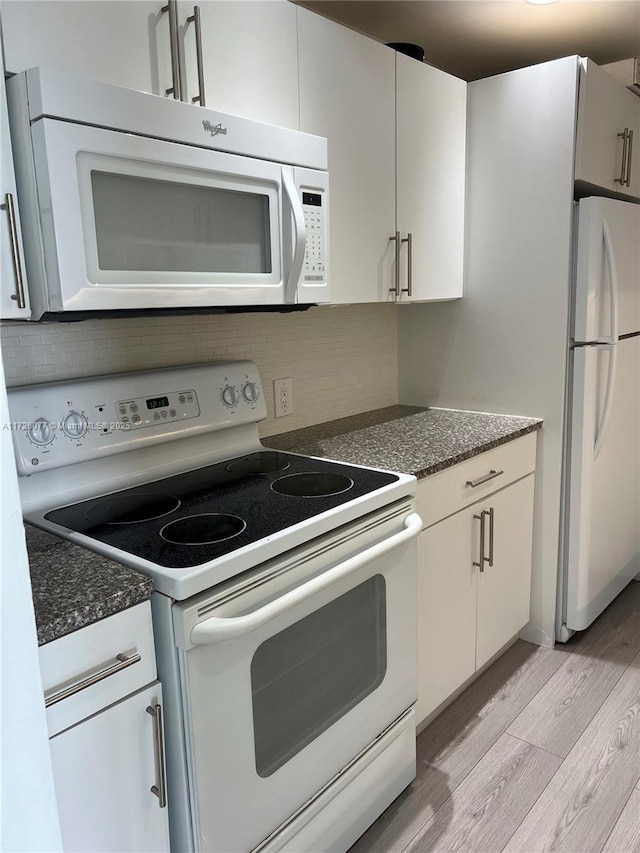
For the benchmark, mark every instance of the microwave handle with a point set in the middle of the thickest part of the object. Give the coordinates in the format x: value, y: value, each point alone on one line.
x: 290, y: 190
x: 217, y: 629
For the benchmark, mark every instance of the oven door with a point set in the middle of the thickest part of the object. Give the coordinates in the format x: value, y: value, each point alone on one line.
x: 289, y: 676
x: 129, y: 222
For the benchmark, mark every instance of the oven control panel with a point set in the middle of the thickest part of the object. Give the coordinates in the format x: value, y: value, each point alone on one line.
x: 62, y: 423
x: 152, y: 411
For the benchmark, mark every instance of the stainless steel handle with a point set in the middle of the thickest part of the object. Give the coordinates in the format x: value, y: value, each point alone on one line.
x: 199, y: 98
x: 409, y: 241
x: 18, y: 296
x: 160, y: 788
x: 397, y: 241
x: 172, y: 9
x: 629, y: 154
x: 100, y: 675
x: 622, y: 180
x: 491, y: 522
x: 484, y: 479
x: 480, y: 563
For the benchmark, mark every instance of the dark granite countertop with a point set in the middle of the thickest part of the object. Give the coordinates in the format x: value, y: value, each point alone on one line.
x: 73, y: 587
x: 408, y: 439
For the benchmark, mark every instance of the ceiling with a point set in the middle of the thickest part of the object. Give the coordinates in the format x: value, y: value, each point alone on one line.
x: 478, y: 38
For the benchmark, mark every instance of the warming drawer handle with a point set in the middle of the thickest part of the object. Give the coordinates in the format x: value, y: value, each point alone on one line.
x: 123, y: 661
x: 217, y: 629
x: 485, y: 478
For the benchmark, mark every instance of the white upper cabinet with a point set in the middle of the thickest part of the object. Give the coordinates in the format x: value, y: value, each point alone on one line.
x: 249, y: 58
x: 14, y: 297
x: 124, y: 43
x: 347, y: 93
x: 608, y: 135
x: 396, y: 131
x: 431, y: 111
x: 248, y: 50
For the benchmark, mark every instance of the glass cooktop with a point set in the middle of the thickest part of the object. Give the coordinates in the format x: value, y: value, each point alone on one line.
x: 192, y: 518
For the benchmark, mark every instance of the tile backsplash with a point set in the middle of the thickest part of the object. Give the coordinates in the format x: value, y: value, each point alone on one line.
x: 343, y: 360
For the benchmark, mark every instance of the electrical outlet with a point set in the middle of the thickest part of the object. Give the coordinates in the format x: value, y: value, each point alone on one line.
x: 283, y: 397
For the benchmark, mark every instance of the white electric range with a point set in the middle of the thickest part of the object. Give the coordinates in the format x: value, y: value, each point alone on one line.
x: 285, y: 602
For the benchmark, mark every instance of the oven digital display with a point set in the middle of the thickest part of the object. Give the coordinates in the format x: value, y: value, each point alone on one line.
x: 157, y: 402
x: 314, y: 199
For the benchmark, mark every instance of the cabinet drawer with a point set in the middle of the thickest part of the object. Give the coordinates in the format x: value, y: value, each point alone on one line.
x: 95, y: 666
x: 445, y: 492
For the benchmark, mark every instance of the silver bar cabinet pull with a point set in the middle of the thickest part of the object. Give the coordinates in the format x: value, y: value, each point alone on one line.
x: 491, y: 520
x: 100, y: 675
x: 629, y: 154
x: 172, y: 9
x: 199, y: 98
x: 409, y: 241
x: 397, y: 241
x: 624, y: 136
x: 160, y: 788
x: 484, y: 479
x: 480, y: 563
x: 18, y: 296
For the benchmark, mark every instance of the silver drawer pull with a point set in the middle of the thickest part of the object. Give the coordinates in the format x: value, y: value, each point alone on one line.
x: 160, y: 789
x: 100, y: 675
x: 484, y: 479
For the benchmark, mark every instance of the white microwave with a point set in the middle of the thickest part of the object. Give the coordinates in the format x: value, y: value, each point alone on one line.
x: 135, y: 203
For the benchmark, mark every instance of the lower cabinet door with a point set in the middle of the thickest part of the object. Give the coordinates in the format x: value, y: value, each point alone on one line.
x: 104, y: 769
x: 447, y: 584
x: 504, y: 589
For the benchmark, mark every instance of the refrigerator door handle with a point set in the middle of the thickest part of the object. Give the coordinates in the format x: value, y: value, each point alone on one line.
x: 613, y: 285
x: 608, y: 398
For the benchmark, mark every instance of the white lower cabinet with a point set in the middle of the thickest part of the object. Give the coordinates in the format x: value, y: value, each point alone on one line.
x: 474, y: 567
x: 104, y: 769
x: 104, y: 714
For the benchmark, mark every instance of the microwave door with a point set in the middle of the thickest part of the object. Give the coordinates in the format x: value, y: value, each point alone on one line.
x: 134, y: 223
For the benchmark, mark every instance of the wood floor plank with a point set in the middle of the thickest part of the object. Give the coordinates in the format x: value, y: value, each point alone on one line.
x: 557, y: 716
x: 454, y: 742
x: 625, y: 837
x: 489, y: 805
x: 636, y: 660
x: 579, y: 808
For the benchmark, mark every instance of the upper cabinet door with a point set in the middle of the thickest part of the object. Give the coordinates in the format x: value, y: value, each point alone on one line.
x: 124, y: 43
x: 14, y: 297
x: 347, y: 93
x: 431, y: 111
x: 607, y: 155
x: 249, y: 58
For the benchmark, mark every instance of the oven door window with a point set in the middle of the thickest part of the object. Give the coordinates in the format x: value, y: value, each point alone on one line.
x: 161, y: 225
x: 311, y: 674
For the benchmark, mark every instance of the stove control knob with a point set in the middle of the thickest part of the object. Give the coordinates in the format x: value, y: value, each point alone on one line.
x: 250, y: 392
x: 229, y: 396
x: 40, y: 432
x: 75, y: 425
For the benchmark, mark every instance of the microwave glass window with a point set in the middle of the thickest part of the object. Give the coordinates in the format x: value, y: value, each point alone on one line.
x: 146, y: 224
x: 315, y: 671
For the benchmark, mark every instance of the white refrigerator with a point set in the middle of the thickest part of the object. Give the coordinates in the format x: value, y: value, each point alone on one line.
x: 601, y: 549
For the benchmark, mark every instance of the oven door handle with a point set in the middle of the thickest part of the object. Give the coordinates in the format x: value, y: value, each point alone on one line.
x: 217, y: 629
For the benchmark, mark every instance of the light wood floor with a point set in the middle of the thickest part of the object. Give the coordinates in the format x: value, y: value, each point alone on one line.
x: 541, y: 753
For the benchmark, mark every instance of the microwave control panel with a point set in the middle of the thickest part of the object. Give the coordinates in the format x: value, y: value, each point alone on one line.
x: 314, y: 269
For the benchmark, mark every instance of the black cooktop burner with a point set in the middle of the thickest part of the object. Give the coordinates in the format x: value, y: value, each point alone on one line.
x: 131, y: 509
x: 316, y: 484
x: 202, y: 529
x: 156, y: 521
x: 265, y: 462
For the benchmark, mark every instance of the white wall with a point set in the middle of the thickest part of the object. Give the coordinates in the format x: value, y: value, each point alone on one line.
x: 29, y: 816
x: 503, y: 347
x: 343, y: 360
